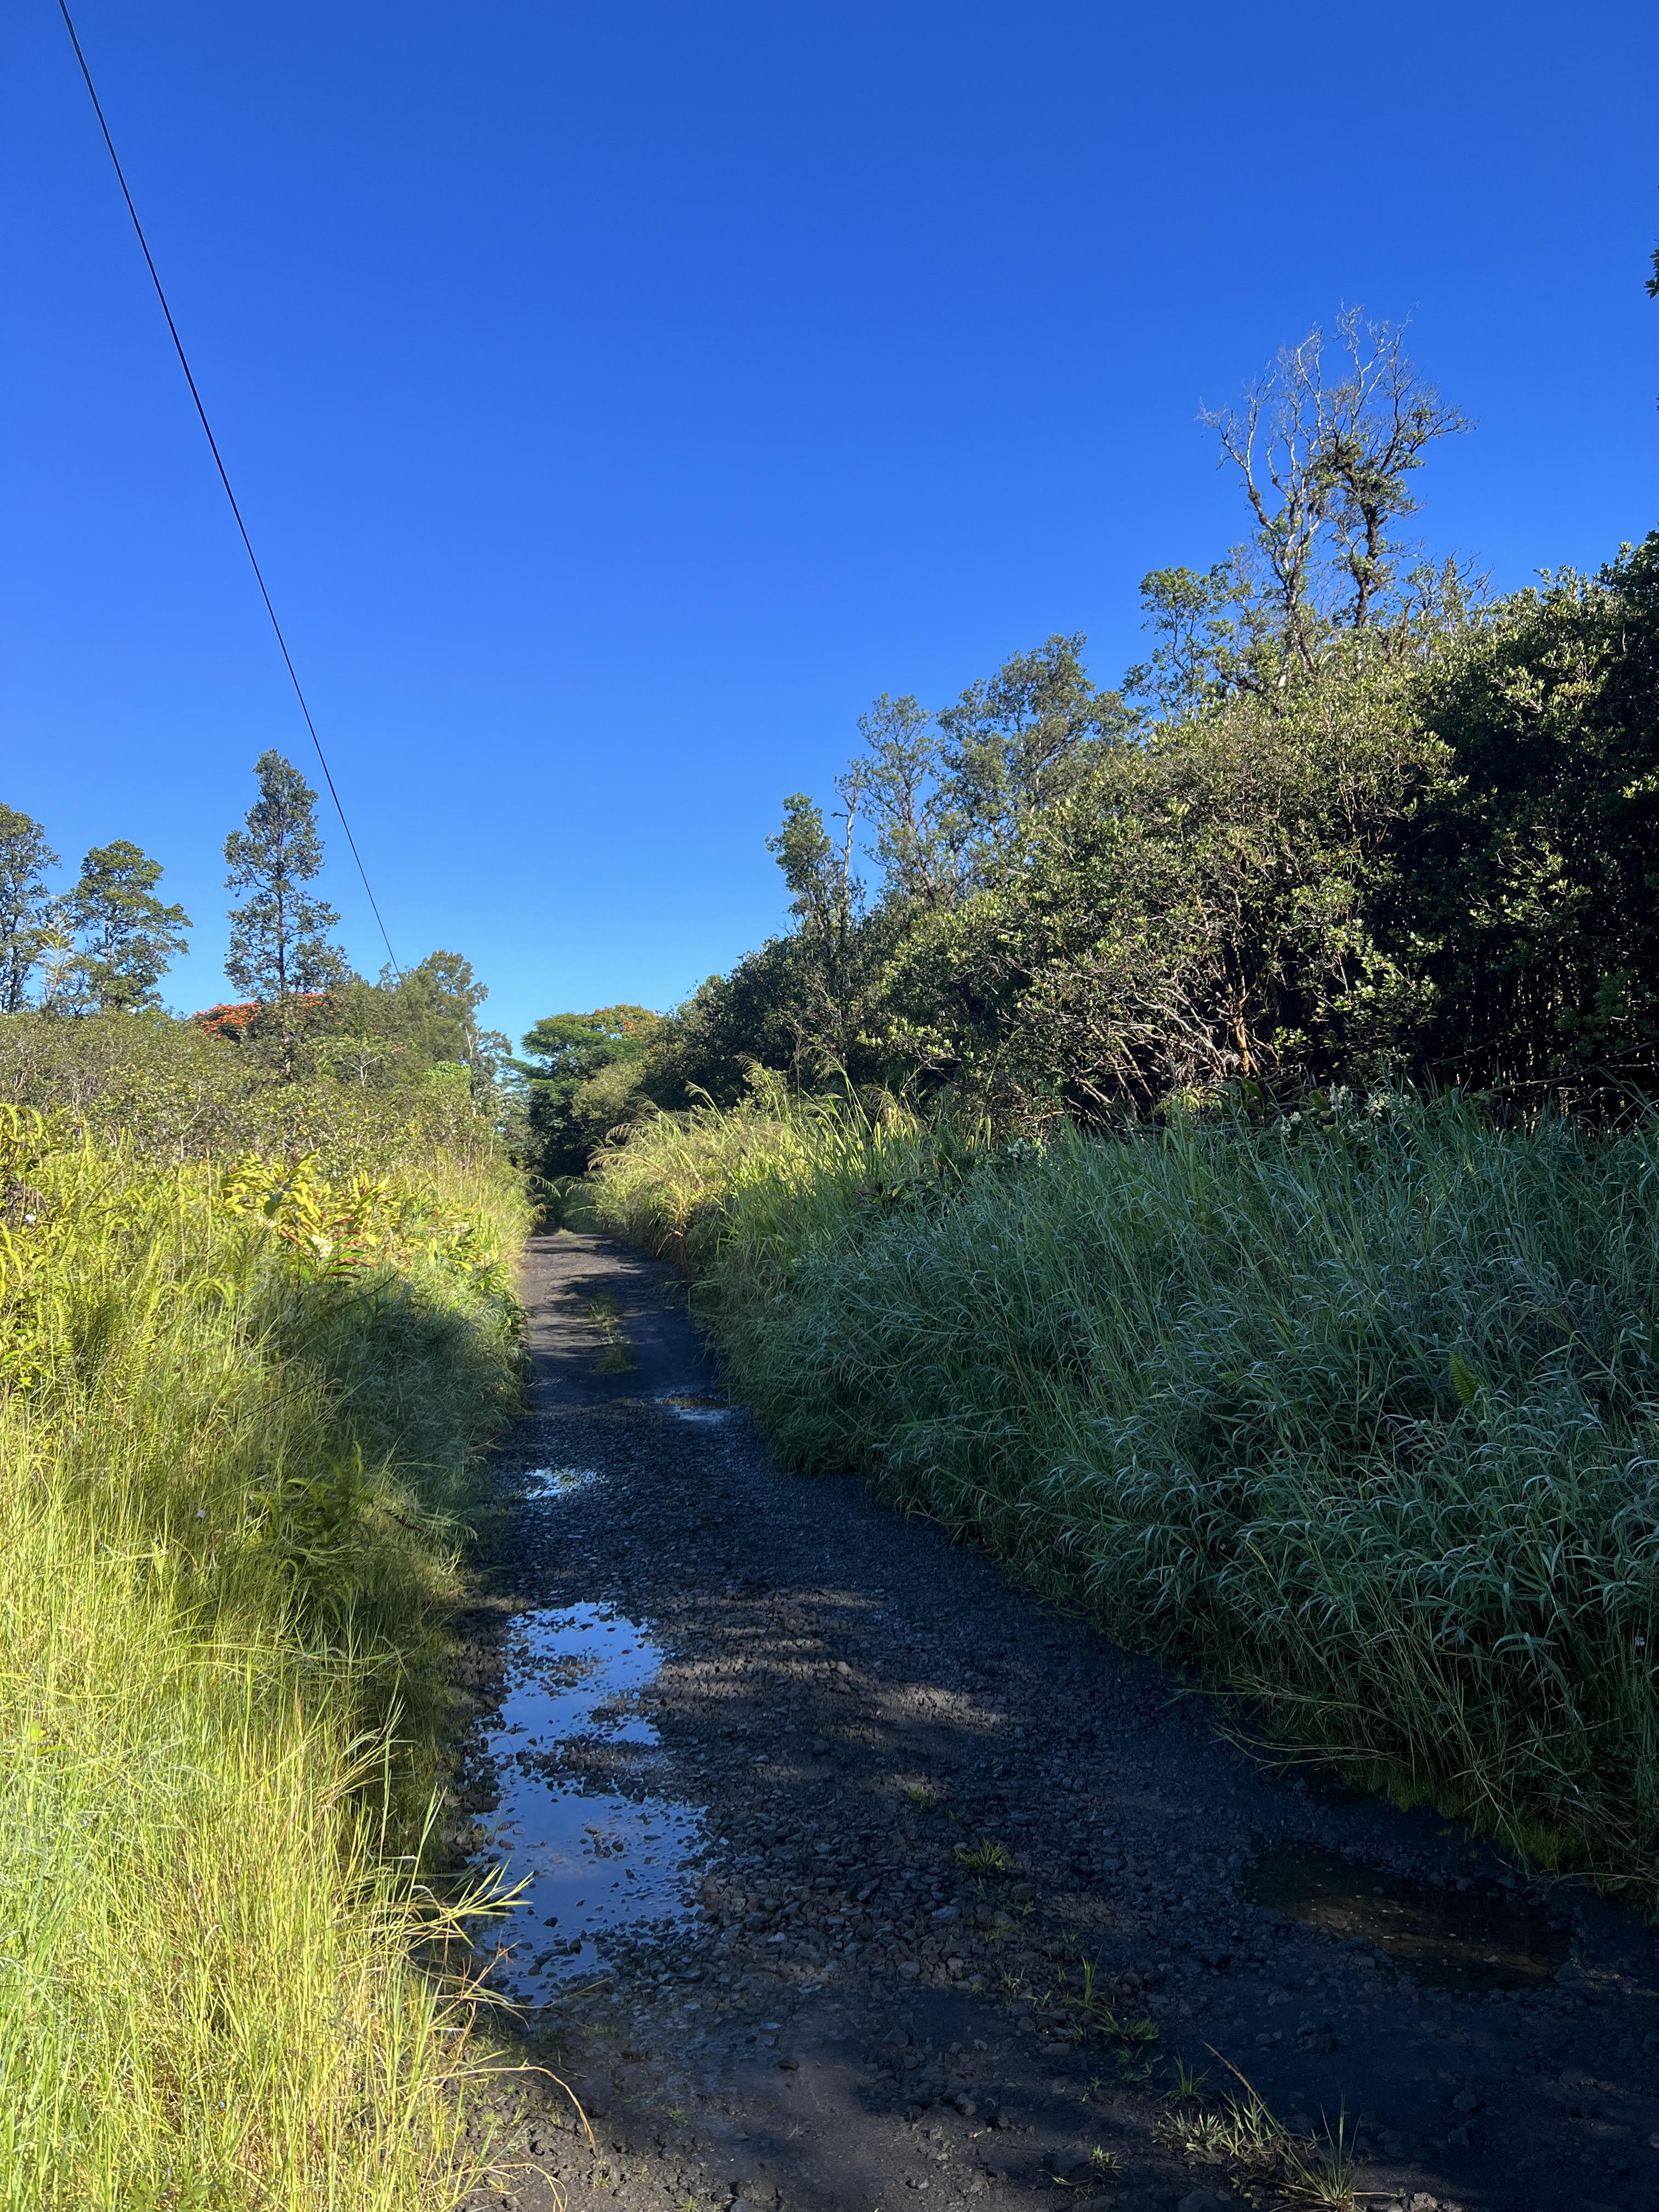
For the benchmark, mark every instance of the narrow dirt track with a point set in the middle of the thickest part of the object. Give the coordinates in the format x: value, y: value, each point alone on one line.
x: 910, y: 1805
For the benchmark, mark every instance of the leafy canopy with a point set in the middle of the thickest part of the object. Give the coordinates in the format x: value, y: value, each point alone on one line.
x: 128, y: 939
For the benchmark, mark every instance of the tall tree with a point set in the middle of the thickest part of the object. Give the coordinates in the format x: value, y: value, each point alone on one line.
x: 128, y: 939
x: 25, y: 904
x: 1013, y: 742
x: 1324, y: 444
x: 568, y: 1054
x: 278, y: 940
x: 945, y: 795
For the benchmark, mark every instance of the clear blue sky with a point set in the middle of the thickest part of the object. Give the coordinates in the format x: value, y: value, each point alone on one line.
x: 621, y: 395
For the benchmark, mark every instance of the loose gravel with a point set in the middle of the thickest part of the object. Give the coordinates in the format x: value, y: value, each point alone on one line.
x: 975, y: 1906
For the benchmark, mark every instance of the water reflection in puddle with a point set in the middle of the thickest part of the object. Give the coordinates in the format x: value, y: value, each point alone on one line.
x: 558, y: 1481
x: 693, y: 1405
x: 592, y: 1862
x: 1470, y: 1939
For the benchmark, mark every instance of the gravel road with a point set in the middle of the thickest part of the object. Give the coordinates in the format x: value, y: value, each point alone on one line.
x: 857, y: 1876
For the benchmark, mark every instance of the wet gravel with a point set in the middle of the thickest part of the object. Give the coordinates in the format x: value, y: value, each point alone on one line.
x: 964, y: 1894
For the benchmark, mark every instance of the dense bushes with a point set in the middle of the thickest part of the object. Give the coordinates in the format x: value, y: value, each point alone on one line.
x: 175, y: 1091
x: 1430, y: 859
x: 239, y: 1402
x: 1359, y: 1409
x: 1354, y: 820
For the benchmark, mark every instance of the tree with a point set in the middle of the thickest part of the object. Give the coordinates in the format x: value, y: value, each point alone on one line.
x: 579, y: 1074
x: 25, y: 904
x: 897, y: 781
x: 1528, y: 881
x: 278, y: 941
x: 1196, y: 910
x: 128, y: 939
x: 1323, y: 452
x: 945, y: 795
x: 425, y: 1018
x: 1015, y: 741
x: 829, y: 969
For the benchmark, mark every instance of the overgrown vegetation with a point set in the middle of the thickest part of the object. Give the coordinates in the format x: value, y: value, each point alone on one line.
x: 238, y: 1410
x: 582, y: 1077
x: 255, y: 1321
x: 1355, y: 1407
x: 1353, y: 820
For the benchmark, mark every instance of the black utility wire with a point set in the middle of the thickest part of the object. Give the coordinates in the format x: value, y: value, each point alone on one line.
x: 212, y: 447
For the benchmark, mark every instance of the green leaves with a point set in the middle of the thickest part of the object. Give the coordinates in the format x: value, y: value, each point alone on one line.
x: 129, y: 940
x: 279, y: 942
x: 1467, y: 1384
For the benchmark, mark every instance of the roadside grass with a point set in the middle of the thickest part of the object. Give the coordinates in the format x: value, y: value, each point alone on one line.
x: 235, y: 1419
x: 1261, y: 2153
x: 1356, y: 1410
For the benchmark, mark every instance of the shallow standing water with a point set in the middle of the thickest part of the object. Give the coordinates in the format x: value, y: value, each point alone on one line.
x: 1471, y: 1940
x: 592, y: 1862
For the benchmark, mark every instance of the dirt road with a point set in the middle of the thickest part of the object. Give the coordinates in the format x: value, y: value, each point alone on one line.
x: 856, y: 1876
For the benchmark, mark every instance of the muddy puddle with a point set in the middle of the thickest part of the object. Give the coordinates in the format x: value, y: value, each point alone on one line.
x: 1467, y: 1941
x: 558, y: 1482
x: 693, y: 1405
x: 593, y: 1862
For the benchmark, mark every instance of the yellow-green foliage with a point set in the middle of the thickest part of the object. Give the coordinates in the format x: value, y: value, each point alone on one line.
x: 1359, y: 1408
x: 175, y: 1093
x: 236, y: 1411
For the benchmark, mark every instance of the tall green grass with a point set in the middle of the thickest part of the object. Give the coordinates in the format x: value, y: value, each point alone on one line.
x: 1359, y: 1412
x: 234, y: 1422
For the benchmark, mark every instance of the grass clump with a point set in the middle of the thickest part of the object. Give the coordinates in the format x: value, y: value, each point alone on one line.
x: 1356, y: 1408
x: 235, y: 1412
x: 984, y: 1858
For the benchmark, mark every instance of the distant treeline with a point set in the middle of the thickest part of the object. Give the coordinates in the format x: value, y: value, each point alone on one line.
x: 1356, y: 819
x: 82, y: 1024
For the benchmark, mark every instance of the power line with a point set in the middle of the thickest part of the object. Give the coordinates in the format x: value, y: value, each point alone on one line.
x: 212, y: 447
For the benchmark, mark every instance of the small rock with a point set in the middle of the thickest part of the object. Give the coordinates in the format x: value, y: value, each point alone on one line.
x: 788, y: 2065
x: 1465, y: 2101
x: 1568, y: 1973
x: 908, y: 1967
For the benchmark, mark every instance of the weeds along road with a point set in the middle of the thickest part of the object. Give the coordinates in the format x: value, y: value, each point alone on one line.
x: 856, y: 1876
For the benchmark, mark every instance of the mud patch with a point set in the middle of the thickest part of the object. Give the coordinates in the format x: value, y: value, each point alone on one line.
x: 558, y: 1482
x: 693, y: 1405
x: 592, y: 1862
x: 1469, y: 1940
